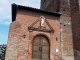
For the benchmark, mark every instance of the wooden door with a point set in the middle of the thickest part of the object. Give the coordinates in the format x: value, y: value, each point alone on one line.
x: 40, y: 48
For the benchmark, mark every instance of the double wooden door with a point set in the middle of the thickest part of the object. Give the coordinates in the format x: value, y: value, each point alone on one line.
x: 40, y: 48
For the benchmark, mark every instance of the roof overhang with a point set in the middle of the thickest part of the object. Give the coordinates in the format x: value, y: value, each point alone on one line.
x: 16, y: 7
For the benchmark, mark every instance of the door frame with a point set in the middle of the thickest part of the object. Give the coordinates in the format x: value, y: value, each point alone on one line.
x: 46, y: 39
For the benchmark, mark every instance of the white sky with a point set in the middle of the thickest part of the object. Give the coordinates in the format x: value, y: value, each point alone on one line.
x: 5, y: 8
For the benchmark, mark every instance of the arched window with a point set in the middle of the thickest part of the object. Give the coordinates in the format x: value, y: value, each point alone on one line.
x: 40, y: 48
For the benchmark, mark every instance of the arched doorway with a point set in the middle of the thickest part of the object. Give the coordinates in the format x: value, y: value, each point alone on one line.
x: 40, y: 48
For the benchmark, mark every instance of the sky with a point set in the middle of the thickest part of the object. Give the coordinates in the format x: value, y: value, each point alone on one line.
x: 5, y: 15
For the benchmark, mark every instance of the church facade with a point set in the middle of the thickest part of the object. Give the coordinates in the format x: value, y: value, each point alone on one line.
x: 34, y: 35
x: 49, y: 33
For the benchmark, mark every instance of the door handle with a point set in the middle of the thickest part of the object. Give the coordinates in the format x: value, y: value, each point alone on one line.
x: 40, y: 48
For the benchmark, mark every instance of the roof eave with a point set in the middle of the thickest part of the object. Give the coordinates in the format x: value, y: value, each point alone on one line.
x: 15, y: 7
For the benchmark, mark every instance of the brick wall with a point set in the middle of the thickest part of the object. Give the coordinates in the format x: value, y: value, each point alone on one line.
x: 75, y: 17
x: 63, y: 7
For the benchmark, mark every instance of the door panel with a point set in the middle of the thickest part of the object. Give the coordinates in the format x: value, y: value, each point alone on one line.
x: 45, y: 48
x: 44, y: 55
x: 36, y: 48
x: 40, y: 48
x: 36, y: 55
